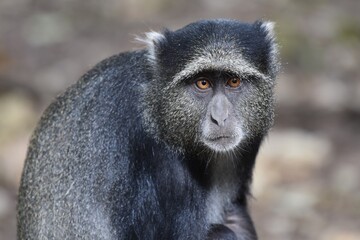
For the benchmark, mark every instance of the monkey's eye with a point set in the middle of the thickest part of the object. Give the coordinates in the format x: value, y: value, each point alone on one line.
x: 233, y: 82
x: 203, y: 83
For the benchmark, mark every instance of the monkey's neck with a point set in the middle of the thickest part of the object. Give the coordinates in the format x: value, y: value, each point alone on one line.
x: 223, y: 188
x: 228, y: 178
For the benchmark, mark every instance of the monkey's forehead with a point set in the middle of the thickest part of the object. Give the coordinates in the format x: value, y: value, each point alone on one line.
x: 225, y: 45
x: 218, y: 61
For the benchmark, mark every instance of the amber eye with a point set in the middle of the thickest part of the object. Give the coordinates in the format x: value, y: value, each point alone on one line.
x: 203, y: 84
x: 233, y: 82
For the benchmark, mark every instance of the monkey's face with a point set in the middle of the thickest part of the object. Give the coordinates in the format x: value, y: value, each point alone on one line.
x: 217, y: 95
x: 212, y: 84
x: 214, y: 110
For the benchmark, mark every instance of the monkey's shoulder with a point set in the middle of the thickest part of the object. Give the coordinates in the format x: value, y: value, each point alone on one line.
x: 116, y: 75
x: 104, y: 98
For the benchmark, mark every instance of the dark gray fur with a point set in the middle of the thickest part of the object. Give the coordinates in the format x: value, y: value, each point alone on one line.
x: 120, y: 155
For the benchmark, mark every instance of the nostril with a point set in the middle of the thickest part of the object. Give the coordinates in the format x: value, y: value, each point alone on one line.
x: 213, y: 120
x: 220, y: 121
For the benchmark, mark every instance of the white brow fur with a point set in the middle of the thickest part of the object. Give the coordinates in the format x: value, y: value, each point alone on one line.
x: 217, y: 59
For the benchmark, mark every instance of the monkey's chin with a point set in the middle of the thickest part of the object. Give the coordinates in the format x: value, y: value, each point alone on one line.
x: 222, y: 144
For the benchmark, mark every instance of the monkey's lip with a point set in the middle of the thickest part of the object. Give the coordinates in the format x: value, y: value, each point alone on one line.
x: 219, y: 138
x: 222, y: 143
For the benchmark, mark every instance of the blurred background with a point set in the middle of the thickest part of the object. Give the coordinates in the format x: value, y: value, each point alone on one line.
x: 307, y: 182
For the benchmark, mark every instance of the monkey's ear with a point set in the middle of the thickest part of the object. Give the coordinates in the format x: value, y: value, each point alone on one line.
x: 267, y: 29
x: 153, y: 40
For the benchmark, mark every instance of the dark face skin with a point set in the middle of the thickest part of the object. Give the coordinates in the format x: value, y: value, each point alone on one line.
x: 218, y: 93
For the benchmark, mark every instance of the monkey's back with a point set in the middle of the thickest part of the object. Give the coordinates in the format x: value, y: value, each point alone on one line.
x: 76, y: 155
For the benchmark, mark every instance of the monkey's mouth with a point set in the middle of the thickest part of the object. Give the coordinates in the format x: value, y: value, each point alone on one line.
x: 219, y: 138
x: 222, y: 143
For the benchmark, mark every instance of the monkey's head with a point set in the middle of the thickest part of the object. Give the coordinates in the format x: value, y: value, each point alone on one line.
x: 212, y: 84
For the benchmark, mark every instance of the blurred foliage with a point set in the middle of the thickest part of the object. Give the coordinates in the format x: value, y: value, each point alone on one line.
x: 348, y: 31
x: 297, y: 50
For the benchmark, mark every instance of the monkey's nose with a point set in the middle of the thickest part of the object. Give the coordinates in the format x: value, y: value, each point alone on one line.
x: 219, y: 111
